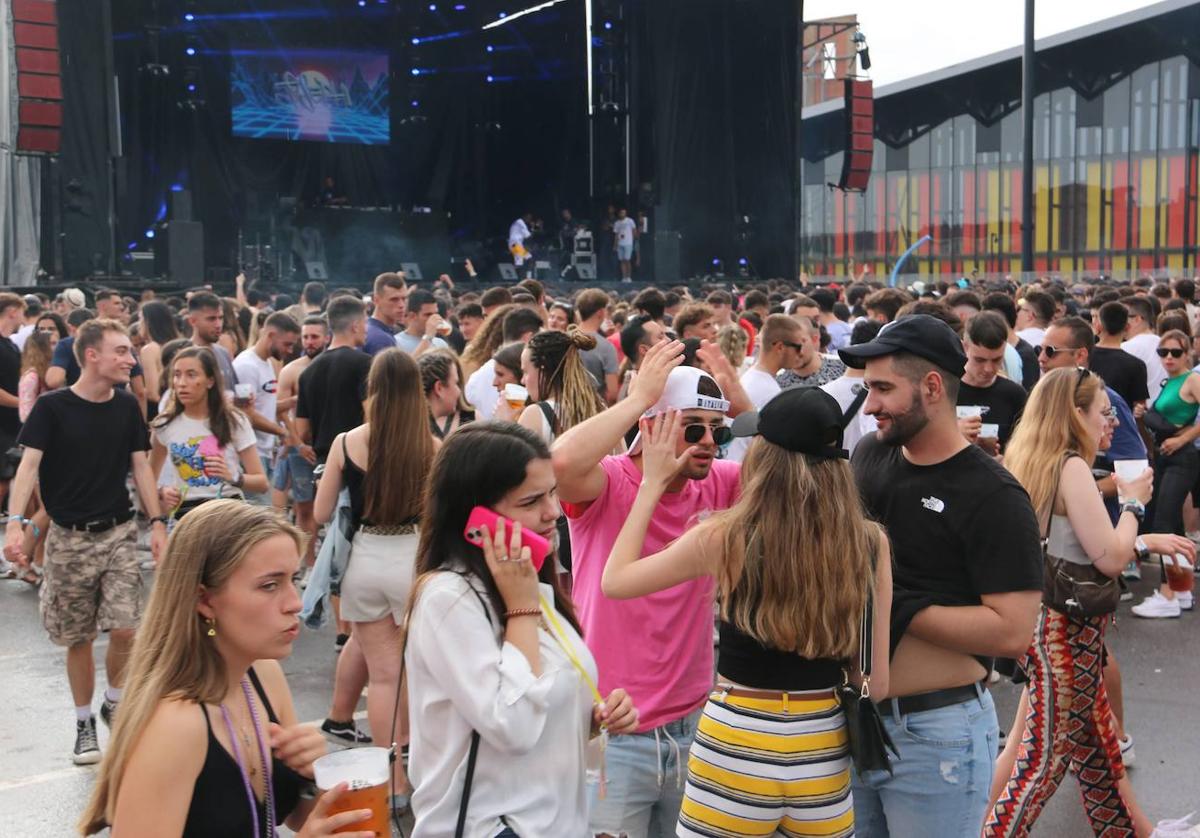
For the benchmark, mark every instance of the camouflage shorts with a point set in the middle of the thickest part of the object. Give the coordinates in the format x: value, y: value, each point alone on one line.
x: 92, y: 581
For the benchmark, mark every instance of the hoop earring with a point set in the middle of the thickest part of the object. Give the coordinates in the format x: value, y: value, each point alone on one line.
x: 212, y: 627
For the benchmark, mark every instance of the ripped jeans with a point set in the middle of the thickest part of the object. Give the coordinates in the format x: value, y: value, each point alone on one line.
x: 942, y: 778
x: 646, y: 775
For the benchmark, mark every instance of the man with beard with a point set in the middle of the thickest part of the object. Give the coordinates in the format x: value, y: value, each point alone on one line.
x: 256, y: 367
x: 967, y: 582
x: 660, y: 647
x: 207, y: 319
x: 298, y: 459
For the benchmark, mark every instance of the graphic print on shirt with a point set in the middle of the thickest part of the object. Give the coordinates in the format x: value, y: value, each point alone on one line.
x: 188, y: 459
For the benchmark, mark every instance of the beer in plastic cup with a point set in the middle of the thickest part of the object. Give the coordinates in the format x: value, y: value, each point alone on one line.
x: 1130, y: 469
x: 1179, y: 573
x: 989, y: 431
x: 516, y: 396
x: 367, y: 774
x: 444, y: 328
x: 968, y: 411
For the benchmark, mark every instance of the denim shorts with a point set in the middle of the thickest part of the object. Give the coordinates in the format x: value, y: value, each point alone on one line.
x: 625, y: 252
x: 263, y: 498
x: 646, y: 774
x: 942, y: 778
x: 295, y: 472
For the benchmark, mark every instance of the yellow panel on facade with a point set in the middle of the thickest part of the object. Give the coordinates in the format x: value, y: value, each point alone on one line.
x: 1094, y: 207
x: 1147, y: 203
x: 1041, y: 209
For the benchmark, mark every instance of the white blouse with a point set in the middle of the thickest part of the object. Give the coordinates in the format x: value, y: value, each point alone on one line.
x: 534, y: 732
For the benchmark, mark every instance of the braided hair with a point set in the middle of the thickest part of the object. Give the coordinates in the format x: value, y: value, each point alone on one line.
x: 562, y: 378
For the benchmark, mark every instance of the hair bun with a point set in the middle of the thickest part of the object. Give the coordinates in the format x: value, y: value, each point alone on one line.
x: 581, y: 339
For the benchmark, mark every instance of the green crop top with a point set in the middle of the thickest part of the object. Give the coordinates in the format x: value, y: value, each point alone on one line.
x: 1171, y: 405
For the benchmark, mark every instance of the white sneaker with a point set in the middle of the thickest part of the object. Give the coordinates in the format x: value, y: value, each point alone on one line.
x: 1157, y: 607
x: 1185, y: 600
x: 1127, y: 755
x: 1132, y: 571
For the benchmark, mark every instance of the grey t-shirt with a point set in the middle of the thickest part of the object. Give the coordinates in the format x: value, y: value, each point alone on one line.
x: 600, y: 361
x: 409, y: 343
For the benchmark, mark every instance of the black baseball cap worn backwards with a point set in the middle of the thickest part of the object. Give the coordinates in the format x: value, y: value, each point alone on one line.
x: 918, y: 334
x: 806, y: 420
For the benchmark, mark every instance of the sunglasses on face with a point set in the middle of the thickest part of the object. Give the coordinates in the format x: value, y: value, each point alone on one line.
x: 1051, y: 351
x: 1174, y: 353
x: 797, y: 346
x: 694, y: 434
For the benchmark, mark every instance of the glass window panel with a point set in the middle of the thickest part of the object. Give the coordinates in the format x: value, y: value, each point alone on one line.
x: 1116, y: 118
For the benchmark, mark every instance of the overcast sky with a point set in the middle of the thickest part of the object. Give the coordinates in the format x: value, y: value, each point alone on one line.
x: 907, y: 39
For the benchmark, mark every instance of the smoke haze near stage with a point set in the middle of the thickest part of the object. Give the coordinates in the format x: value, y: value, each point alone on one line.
x: 318, y: 95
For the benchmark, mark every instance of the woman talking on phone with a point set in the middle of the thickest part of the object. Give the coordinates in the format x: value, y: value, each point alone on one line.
x: 795, y: 562
x: 384, y: 464
x: 502, y: 688
x: 206, y: 743
x: 202, y: 448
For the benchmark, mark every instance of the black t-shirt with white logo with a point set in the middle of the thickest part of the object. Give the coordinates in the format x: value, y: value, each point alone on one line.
x: 1002, y: 404
x: 959, y: 529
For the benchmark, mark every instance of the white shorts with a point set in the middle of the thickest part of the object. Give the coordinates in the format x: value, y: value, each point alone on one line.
x: 379, y: 577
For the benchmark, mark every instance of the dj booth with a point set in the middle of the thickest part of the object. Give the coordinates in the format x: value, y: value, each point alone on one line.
x: 351, y: 244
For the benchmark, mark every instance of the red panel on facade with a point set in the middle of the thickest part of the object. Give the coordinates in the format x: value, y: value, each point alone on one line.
x: 37, y: 61
x: 47, y: 140
x: 1175, y: 192
x: 47, y: 114
x: 35, y: 35
x: 34, y: 11
x: 33, y: 86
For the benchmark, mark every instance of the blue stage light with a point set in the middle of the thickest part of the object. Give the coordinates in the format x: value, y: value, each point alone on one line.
x: 189, y: 17
x: 415, y: 103
x: 416, y: 41
x: 491, y: 79
x: 503, y: 15
x: 190, y: 50
x: 176, y: 187
x: 362, y: 3
x: 491, y: 48
x: 716, y: 262
x: 608, y: 24
x: 191, y: 88
x: 149, y: 234
x: 416, y: 71
x: 433, y: 7
x: 460, y: 8
x: 131, y: 246
x: 743, y: 262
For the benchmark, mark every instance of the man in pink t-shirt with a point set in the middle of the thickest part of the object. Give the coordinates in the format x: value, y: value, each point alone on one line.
x: 658, y: 647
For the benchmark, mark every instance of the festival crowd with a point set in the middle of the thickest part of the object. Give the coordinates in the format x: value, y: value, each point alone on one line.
x: 727, y: 562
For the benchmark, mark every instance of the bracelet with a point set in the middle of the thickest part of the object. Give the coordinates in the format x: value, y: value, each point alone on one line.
x: 523, y: 612
x: 1135, y: 507
x: 26, y: 522
x: 159, y: 519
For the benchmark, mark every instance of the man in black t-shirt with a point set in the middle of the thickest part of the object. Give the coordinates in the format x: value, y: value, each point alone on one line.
x: 334, y: 385
x: 80, y: 444
x: 1121, y: 370
x: 966, y: 584
x: 12, y: 315
x: 999, y: 401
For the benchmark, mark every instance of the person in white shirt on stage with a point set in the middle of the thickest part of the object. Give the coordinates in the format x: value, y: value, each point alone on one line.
x: 625, y: 233
x: 518, y: 233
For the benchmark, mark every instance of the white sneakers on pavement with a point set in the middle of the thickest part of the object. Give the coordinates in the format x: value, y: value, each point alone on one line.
x: 1157, y: 607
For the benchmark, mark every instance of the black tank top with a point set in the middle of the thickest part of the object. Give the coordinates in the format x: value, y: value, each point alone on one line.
x: 355, y: 479
x: 219, y: 808
x: 745, y: 661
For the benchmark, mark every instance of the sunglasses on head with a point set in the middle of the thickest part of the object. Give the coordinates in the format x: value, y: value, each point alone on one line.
x: 1174, y: 353
x: 1051, y: 351
x: 694, y: 434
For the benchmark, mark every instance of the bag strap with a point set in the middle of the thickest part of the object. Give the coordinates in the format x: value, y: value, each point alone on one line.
x: 855, y: 405
x: 864, y: 637
x: 551, y: 418
x: 473, y: 753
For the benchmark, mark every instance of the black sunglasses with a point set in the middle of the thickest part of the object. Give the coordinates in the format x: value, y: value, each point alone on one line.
x: 694, y: 434
x: 1051, y: 351
x: 1174, y: 353
x: 796, y: 346
x: 1084, y: 372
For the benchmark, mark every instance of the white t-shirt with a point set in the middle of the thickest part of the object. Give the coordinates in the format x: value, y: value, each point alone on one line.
x: 184, y: 468
x: 1143, y: 346
x: 518, y: 232
x: 845, y: 389
x: 480, y: 392
x: 623, y: 228
x: 760, y: 387
x: 21, y: 335
x: 1033, y: 336
x: 264, y: 383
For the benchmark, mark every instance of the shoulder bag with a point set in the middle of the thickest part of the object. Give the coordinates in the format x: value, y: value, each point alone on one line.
x: 1077, y: 590
x: 869, y: 740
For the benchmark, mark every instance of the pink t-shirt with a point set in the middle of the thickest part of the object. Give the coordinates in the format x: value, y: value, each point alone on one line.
x: 659, y: 647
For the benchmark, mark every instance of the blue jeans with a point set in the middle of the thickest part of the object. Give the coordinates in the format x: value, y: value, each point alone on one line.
x: 263, y: 498
x: 942, y: 779
x: 646, y: 775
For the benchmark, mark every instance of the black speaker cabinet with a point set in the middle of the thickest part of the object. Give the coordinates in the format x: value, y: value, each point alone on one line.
x: 666, y: 258
x: 179, y: 252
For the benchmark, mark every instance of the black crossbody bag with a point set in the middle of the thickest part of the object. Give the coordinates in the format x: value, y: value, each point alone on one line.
x: 869, y: 740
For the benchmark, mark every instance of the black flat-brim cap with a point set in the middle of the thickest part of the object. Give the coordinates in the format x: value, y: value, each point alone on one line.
x: 917, y: 334
x: 806, y: 420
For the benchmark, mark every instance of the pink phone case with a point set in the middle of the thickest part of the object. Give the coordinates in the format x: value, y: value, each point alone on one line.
x: 481, y: 516
x: 209, y: 447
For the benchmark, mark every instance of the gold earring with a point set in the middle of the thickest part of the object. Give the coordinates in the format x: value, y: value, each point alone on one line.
x: 212, y: 627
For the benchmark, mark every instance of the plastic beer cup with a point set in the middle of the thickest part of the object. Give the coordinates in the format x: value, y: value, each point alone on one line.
x: 367, y: 774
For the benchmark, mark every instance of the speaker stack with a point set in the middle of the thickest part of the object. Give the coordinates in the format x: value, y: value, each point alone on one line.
x: 39, y: 80
x: 860, y: 135
x: 179, y: 246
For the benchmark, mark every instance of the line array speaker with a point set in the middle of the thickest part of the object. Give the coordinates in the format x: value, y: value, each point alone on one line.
x: 860, y: 135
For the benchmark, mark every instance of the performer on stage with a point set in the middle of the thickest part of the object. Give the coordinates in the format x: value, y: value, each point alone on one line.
x: 518, y: 233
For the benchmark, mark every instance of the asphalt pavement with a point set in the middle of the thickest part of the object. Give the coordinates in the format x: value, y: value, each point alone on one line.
x: 42, y: 793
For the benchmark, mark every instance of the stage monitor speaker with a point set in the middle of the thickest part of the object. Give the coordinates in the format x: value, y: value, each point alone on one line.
x: 508, y: 271
x: 666, y: 258
x: 860, y: 135
x: 412, y: 270
x: 179, y: 252
x: 38, y: 86
x: 585, y: 272
x: 316, y: 271
x: 181, y: 205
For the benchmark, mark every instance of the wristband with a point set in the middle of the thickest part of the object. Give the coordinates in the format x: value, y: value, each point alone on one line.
x: 1135, y: 507
x: 523, y: 612
x: 26, y: 522
x: 1140, y: 549
x: 159, y: 519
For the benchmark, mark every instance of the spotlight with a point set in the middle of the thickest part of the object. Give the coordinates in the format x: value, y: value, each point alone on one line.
x: 416, y: 71
x: 189, y: 17
x: 742, y: 261
x: 416, y: 41
x: 415, y: 103
x: 716, y: 262
x: 362, y: 3
x: 191, y: 88
x: 433, y: 7
x: 608, y: 24
x: 491, y: 48
x: 491, y: 79
x: 190, y: 50
x: 150, y: 234
x: 460, y: 8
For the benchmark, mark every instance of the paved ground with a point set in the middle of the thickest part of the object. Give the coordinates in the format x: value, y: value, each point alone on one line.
x: 42, y: 793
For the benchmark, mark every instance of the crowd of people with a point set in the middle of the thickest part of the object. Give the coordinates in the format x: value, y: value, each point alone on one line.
x: 605, y: 563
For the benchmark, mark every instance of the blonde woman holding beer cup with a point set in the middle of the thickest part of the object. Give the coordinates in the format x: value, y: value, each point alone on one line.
x: 206, y: 743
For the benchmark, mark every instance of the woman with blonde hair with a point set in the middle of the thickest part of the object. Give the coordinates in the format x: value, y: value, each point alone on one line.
x: 384, y: 464
x: 206, y: 743
x: 35, y: 360
x: 562, y: 391
x: 1069, y: 721
x: 733, y: 341
x: 442, y: 380
x: 796, y: 566
x: 487, y: 340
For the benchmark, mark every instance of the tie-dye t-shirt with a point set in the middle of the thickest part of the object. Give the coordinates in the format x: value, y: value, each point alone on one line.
x: 187, y: 442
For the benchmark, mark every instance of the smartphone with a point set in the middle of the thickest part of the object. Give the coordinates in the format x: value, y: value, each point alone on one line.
x: 481, y: 516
